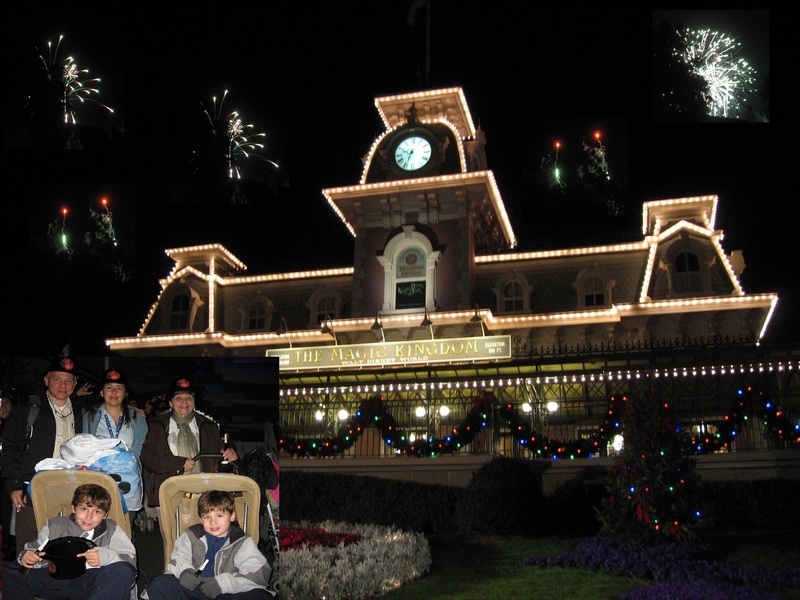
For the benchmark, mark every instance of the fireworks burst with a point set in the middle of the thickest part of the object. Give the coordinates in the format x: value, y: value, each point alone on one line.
x: 550, y: 167
x: 229, y: 130
x: 105, y: 224
x: 711, y: 55
x: 597, y: 158
x: 66, y: 78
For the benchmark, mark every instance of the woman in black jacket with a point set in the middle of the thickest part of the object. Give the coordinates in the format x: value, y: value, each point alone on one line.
x: 174, y: 439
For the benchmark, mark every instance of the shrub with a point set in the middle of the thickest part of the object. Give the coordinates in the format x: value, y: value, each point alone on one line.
x: 504, y: 496
x: 354, y: 499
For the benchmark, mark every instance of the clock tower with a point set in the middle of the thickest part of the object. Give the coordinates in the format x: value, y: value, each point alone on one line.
x: 423, y: 208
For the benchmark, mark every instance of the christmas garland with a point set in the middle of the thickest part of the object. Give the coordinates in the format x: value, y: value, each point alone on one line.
x: 373, y: 412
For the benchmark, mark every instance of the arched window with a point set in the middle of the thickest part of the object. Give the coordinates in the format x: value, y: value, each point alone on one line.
x: 179, y: 312
x: 513, y: 293
x: 687, y: 273
x: 257, y: 316
x: 594, y: 292
x: 323, y: 303
x: 594, y: 287
x: 512, y: 297
x: 409, y: 262
x: 326, y: 307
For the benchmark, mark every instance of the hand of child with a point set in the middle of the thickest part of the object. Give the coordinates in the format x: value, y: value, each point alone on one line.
x: 188, y: 580
x: 92, y: 557
x: 209, y: 587
x: 30, y: 558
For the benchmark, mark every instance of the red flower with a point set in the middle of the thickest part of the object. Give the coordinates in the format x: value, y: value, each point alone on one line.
x: 294, y: 537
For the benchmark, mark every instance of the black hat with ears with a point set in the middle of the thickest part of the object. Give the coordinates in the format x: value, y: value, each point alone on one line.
x: 181, y: 385
x: 114, y: 376
x: 63, y: 364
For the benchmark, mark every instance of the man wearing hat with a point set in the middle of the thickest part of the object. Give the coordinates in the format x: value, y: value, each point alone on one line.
x: 174, y: 439
x: 35, y: 431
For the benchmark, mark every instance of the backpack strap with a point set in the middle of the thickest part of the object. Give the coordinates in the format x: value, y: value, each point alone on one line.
x: 33, y: 412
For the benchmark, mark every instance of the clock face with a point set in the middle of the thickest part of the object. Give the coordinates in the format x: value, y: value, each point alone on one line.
x: 413, y: 153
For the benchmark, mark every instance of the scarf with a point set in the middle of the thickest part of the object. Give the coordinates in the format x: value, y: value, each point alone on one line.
x: 187, y: 442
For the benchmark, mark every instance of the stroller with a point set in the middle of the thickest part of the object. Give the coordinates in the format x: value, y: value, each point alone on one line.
x: 51, y: 493
x: 178, y: 501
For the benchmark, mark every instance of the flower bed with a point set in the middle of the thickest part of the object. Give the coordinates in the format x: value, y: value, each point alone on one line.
x: 679, y: 571
x: 292, y: 538
x: 382, y: 559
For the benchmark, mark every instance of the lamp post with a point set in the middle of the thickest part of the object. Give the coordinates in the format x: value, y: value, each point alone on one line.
x: 283, y: 329
x: 327, y: 327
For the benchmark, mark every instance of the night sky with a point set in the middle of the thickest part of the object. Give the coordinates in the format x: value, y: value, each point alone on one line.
x: 307, y: 73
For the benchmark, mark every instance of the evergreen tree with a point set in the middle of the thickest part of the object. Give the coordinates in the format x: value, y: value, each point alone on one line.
x: 653, y: 490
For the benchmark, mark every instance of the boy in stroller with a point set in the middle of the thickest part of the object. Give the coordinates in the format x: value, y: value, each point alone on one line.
x: 213, y: 558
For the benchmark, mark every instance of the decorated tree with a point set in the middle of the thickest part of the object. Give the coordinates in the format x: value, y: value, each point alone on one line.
x: 654, y: 489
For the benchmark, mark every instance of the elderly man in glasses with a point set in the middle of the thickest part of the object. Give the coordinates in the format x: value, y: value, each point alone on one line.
x: 33, y: 434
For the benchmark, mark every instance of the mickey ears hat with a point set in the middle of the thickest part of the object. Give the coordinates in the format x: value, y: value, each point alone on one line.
x: 181, y: 385
x: 113, y: 376
x: 63, y: 364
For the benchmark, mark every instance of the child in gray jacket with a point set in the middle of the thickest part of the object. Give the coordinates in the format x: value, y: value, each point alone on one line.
x: 110, y: 564
x: 215, y: 558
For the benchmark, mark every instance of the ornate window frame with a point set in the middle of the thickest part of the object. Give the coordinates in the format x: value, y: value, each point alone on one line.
x: 512, y: 278
x: 699, y: 281
x: 194, y: 303
x: 317, y: 312
x: 586, y: 285
x: 409, y: 260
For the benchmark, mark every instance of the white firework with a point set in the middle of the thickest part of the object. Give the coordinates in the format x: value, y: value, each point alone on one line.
x: 229, y: 129
x: 712, y: 56
x: 67, y: 79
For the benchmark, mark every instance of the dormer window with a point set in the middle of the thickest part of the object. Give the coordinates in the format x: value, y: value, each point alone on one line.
x: 513, y: 293
x: 512, y: 297
x: 179, y: 312
x: 593, y: 292
x: 687, y: 273
x: 324, y: 303
x: 593, y: 286
x: 687, y: 263
x: 257, y: 316
x: 326, y: 308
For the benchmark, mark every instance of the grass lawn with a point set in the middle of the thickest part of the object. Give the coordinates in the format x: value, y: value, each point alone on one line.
x: 466, y: 567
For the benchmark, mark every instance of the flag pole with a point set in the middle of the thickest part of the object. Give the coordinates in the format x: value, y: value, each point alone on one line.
x: 427, y: 43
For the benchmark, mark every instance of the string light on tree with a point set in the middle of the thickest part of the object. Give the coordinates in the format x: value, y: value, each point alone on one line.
x: 64, y: 229
x: 555, y: 171
x: 105, y: 223
x: 601, y: 154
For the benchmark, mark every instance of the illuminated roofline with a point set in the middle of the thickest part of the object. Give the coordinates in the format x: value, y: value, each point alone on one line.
x: 235, y: 262
x: 422, y: 183
x: 543, y: 254
x: 578, y: 376
x: 413, y: 96
x: 292, y: 276
x: 652, y: 204
x: 613, y: 314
